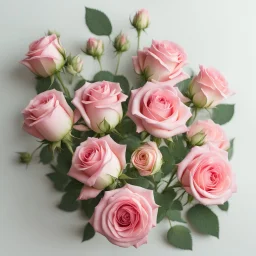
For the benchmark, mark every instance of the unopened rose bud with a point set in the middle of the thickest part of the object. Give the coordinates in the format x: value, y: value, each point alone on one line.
x: 94, y: 48
x: 121, y: 43
x: 74, y: 65
x: 53, y: 32
x: 147, y: 159
x: 141, y: 20
x: 25, y: 157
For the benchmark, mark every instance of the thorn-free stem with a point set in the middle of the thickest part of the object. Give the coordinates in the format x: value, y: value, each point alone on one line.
x: 99, y: 61
x: 64, y: 88
x: 118, y: 62
x: 138, y: 42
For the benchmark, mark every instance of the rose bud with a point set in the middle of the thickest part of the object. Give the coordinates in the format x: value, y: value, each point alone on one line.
x: 159, y: 109
x: 94, y: 48
x: 53, y: 32
x: 209, y: 88
x: 96, y: 163
x: 99, y: 104
x: 121, y: 43
x: 147, y: 159
x: 163, y: 61
x: 25, y: 157
x: 206, y: 174
x: 45, y: 57
x: 126, y: 215
x: 204, y: 131
x: 141, y: 20
x: 74, y: 65
x: 48, y: 116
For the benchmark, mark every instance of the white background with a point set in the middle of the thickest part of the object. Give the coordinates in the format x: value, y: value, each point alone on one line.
x: 220, y: 33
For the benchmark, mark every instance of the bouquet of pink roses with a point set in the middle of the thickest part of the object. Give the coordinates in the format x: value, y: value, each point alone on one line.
x: 132, y: 156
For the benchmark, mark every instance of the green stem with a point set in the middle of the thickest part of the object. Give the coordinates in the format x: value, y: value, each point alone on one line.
x: 193, y: 118
x: 138, y: 42
x: 118, y: 62
x: 170, y: 180
x: 99, y: 61
x: 36, y: 150
x: 64, y: 88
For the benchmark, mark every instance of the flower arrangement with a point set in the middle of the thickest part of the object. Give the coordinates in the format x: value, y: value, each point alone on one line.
x: 132, y: 156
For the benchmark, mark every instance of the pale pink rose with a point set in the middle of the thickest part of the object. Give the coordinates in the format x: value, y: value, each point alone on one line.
x: 147, y: 159
x: 94, y: 47
x: 158, y: 109
x: 99, y: 104
x: 161, y: 62
x: 141, y: 19
x: 121, y: 43
x: 126, y: 215
x: 48, y: 116
x: 95, y: 163
x: 204, y: 131
x: 206, y: 174
x: 45, y: 56
x: 209, y: 88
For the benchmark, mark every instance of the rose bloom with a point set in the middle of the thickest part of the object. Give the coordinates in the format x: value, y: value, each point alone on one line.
x: 126, y: 215
x: 147, y: 159
x: 100, y: 106
x: 161, y: 62
x: 45, y: 56
x: 209, y: 88
x: 96, y: 162
x: 158, y: 109
x: 48, y: 116
x: 204, y: 131
x: 206, y: 174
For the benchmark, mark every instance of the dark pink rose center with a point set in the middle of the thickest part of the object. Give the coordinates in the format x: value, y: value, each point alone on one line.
x: 127, y: 216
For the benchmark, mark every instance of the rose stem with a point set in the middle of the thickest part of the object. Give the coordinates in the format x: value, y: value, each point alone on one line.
x: 138, y: 42
x: 118, y: 62
x: 171, y: 178
x: 99, y: 61
x: 65, y: 90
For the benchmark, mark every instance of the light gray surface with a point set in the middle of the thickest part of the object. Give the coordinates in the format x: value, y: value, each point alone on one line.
x: 220, y: 33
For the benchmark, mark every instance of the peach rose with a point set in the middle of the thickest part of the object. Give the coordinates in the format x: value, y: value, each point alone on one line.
x: 147, y: 159
x: 126, y: 215
x: 206, y: 174
x: 45, y: 56
x: 159, y: 110
x: 204, y: 131
x: 161, y: 62
x: 48, y: 116
x: 96, y: 162
x: 209, y: 88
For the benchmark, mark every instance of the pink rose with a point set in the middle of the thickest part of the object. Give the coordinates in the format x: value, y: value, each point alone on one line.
x: 209, y: 88
x: 158, y: 109
x: 147, y: 159
x: 126, y: 215
x: 206, y: 174
x: 94, y: 47
x: 48, y: 116
x: 204, y: 131
x: 100, y: 106
x: 96, y: 162
x: 45, y: 56
x: 161, y: 62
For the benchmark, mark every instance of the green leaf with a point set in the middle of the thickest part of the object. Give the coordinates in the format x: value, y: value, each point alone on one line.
x: 46, y: 155
x: 223, y: 113
x: 97, y: 22
x: 89, y: 205
x: 127, y: 126
x: 203, y: 220
x: 64, y: 160
x: 89, y: 232
x: 124, y: 177
x: 158, y: 176
x: 141, y: 182
x: 74, y: 185
x: 176, y: 205
x: 122, y: 80
x: 224, y: 207
x: 103, y: 76
x: 180, y: 237
x: 178, y: 148
x: 161, y: 214
x: 59, y: 180
x: 79, y: 84
x: 132, y: 142
x: 174, y: 215
x: 44, y: 84
x: 69, y: 201
x: 231, y: 149
x: 183, y: 86
x: 165, y: 200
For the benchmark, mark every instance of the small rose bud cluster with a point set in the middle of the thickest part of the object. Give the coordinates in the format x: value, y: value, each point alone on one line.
x: 121, y: 43
x: 74, y: 65
x: 94, y: 48
x: 141, y: 20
